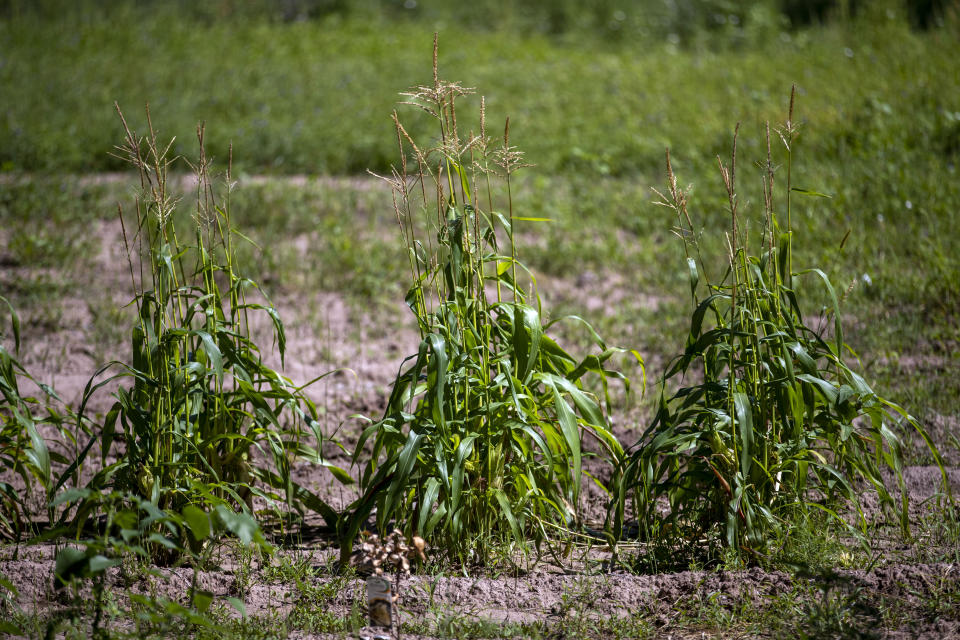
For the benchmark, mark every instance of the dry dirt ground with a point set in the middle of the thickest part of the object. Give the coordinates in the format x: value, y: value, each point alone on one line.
x: 326, y: 332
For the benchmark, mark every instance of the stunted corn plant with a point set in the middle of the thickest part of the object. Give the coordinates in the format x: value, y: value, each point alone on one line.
x: 204, y: 419
x: 769, y: 421
x: 23, y: 450
x: 481, y: 440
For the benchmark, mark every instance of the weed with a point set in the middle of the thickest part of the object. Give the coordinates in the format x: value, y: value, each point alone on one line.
x: 312, y: 612
x: 843, y: 610
x: 12, y: 614
x: 287, y: 568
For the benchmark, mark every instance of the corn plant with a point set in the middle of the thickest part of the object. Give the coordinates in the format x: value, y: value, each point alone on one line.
x: 23, y: 450
x: 481, y: 440
x: 772, y: 421
x: 205, y: 420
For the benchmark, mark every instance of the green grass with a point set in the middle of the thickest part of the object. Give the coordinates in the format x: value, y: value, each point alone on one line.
x: 314, y: 97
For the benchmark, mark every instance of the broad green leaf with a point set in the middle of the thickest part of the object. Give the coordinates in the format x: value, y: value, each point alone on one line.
x: 829, y: 391
x: 213, y: 353
x: 14, y: 324
x: 198, y: 521
x: 341, y: 475
x: 508, y: 514
x: 70, y: 563
x: 568, y: 425
x: 529, y: 331
x: 163, y: 541
x: 202, y: 600
x: 239, y: 524
x: 693, y: 275
x: 428, y: 499
x: 37, y: 454
x: 238, y: 605
x: 8, y: 586
x: 404, y: 465
x: 70, y: 495
x: 99, y: 563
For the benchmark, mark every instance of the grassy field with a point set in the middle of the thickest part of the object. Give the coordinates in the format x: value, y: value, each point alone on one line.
x: 594, y: 97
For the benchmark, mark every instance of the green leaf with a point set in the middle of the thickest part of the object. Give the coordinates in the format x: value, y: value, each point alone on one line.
x: 8, y: 586
x: 70, y: 495
x: 808, y: 192
x: 463, y: 451
x: 198, y: 521
x: 398, y: 484
x: 239, y: 524
x: 428, y: 498
x: 693, y: 275
x: 437, y: 366
x: 311, y: 501
x: 808, y: 364
x: 15, y: 325
x: 70, y: 563
x: 163, y: 541
x: 745, y: 423
x: 508, y: 514
x: 237, y: 604
x: 571, y: 434
x: 37, y: 454
x: 109, y: 430
x: 100, y: 563
x: 829, y: 391
x: 338, y: 473
x: 202, y: 600
x: 587, y: 407
x: 213, y: 353
x: 9, y: 628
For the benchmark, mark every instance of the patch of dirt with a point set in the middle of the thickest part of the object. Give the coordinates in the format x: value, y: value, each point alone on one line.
x: 546, y: 595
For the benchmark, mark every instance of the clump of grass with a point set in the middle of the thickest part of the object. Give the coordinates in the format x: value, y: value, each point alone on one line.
x: 481, y: 442
x: 206, y: 421
x: 771, y: 422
